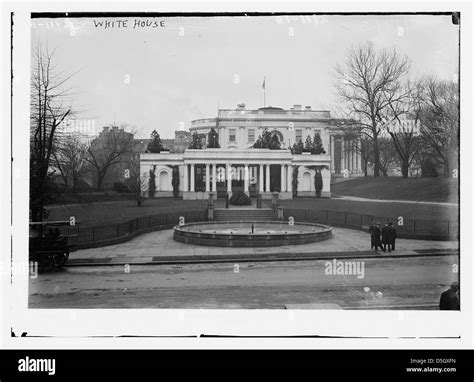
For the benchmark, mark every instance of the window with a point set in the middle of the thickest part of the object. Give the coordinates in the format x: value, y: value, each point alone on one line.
x: 299, y: 135
x: 251, y: 135
x: 231, y: 135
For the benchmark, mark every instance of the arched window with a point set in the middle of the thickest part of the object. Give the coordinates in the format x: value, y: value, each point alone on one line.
x: 278, y: 134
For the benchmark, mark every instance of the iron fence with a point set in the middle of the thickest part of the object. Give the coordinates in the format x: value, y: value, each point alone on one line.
x: 84, y: 236
x: 434, y: 229
x: 100, y: 235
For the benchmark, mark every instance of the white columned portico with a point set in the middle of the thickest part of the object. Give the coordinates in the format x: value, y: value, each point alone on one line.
x: 282, y: 179
x: 214, y: 178
x: 192, y: 179
x: 205, y: 171
x: 185, y: 180
x: 208, y: 185
x: 267, y: 180
x: 246, y: 179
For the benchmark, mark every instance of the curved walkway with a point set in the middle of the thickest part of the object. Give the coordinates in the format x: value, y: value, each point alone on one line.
x: 159, y: 246
x: 358, y: 199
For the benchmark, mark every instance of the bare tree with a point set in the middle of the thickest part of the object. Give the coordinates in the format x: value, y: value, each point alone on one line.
x: 48, y: 109
x: 366, y: 154
x: 108, y: 150
x: 388, y: 155
x: 440, y: 120
x: 404, y: 131
x: 70, y: 160
x: 135, y: 182
x: 369, y: 84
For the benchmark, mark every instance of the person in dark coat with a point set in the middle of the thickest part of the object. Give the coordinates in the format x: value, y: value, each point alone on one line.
x: 386, y: 237
x: 393, y: 235
x: 374, y: 231
x: 450, y: 298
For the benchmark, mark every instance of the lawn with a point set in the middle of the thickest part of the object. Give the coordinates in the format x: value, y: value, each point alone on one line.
x: 388, y: 209
x: 120, y: 211
x: 113, y: 212
x: 439, y: 189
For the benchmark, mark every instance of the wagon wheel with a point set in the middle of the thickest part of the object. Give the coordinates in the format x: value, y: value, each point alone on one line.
x: 45, y: 261
x: 58, y: 260
x: 62, y: 259
x: 52, y: 261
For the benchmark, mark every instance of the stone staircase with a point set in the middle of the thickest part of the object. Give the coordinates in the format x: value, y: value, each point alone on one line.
x: 236, y: 214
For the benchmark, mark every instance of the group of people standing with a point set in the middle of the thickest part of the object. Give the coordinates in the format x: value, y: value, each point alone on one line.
x: 384, y: 238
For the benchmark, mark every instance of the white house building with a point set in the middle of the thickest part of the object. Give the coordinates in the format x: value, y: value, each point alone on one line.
x: 237, y: 166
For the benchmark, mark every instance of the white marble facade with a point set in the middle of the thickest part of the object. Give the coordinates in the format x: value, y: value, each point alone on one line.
x: 237, y: 166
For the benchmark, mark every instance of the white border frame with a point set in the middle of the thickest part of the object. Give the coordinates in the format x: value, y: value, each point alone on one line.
x: 75, y: 328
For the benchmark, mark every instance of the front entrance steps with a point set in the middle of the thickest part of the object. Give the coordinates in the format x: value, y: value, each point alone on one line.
x: 243, y: 214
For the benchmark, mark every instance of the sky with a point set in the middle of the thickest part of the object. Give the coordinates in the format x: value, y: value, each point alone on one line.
x: 162, y: 75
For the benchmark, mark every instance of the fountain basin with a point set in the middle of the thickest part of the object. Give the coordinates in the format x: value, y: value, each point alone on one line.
x: 239, y: 234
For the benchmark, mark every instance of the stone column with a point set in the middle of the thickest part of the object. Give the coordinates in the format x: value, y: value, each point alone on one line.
x: 185, y: 179
x: 260, y: 178
x: 354, y: 161
x: 289, y: 179
x: 355, y: 156
x: 208, y: 179
x: 346, y: 156
x: 246, y: 179
x: 214, y: 178
x: 282, y: 179
x: 331, y: 139
x: 267, y: 180
x: 343, y: 162
x: 192, y: 179
x: 326, y: 190
x: 349, y: 155
x: 228, y: 176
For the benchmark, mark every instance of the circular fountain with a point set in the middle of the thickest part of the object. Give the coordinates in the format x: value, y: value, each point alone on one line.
x: 250, y: 233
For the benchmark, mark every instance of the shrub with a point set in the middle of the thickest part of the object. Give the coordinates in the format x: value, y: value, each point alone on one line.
x: 175, y: 181
x: 297, y: 148
x: 120, y: 187
x: 318, y: 183
x: 240, y: 199
x: 151, y: 183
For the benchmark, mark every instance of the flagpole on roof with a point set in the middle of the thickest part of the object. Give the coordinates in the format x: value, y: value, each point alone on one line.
x: 263, y: 86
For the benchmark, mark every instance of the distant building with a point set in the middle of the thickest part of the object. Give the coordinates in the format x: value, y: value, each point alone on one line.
x: 138, y: 145
x: 179, y: 143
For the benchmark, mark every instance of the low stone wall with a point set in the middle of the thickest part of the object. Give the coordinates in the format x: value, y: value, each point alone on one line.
x: 192, y: 234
